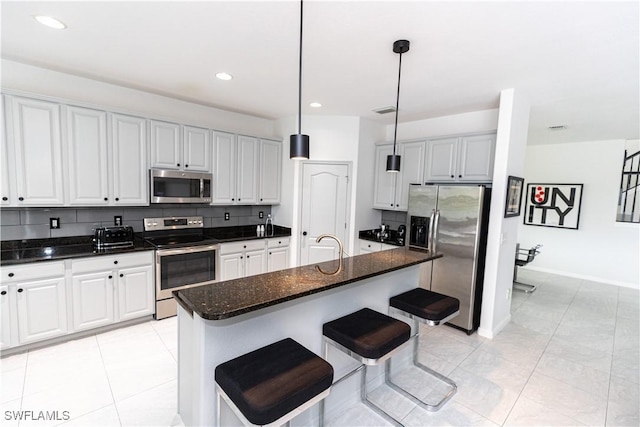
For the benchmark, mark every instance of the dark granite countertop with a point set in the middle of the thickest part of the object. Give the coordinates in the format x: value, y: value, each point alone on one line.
x: 231, y: 298
x: 34, y: 250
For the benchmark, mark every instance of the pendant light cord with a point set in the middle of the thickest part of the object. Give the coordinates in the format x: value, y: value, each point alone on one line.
x: 395, y: 129
x: 300, y: 76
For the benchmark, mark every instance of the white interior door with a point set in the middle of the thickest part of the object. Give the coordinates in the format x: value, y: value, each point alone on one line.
x: 324, y: 210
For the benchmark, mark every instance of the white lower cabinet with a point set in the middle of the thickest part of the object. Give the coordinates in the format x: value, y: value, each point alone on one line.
x: 33, y: 298
x: 110, y: 289
x: 368, y: 246
x: 241, y: 259
x: 277, y: 254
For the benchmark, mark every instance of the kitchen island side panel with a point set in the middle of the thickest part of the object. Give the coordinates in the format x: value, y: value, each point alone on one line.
x: 204, y: 344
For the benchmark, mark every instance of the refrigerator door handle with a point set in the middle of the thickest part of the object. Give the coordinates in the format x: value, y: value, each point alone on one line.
x: 430, y: 240
x: 434, y: 233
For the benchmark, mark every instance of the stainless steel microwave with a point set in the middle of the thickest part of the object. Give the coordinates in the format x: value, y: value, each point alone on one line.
x: 170, y: 186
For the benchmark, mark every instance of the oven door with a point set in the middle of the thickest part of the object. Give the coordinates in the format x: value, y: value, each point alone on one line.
x: 184, y: 267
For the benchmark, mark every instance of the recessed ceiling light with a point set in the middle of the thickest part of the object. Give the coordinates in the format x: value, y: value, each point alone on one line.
x: 224, y: 76
x: 50, y: 22
x: 315, y: 105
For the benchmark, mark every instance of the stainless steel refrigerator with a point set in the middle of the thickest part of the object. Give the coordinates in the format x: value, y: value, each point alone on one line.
x: 453, y: 220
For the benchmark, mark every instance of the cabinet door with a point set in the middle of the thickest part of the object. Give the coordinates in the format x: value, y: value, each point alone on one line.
x: 255, y: 262
x: 38, y: 152
x: 42, y: 309
x: 86, y: 150
x: 224, y: 168
x: 135, y: 292
x: 278, y: 259
x: 166, y: 151
x: 385, y: 184
x: 231, y: 266
x: 92, y: 300
x: 247, y: 177
x: 5, y: 183
x: 270, y: 172
x: 475, y: 162
x: 411, y: 172
x: 441, y: 160
x: 130, y: 179
x: 5, y: 318
x: 197, y: 149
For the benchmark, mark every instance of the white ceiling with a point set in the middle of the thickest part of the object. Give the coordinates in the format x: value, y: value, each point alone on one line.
x: 577, y: 61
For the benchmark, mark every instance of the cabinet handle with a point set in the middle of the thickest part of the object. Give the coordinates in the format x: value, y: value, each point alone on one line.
x: 240, y: 257
x: 397, y: 206
x: 260, y: 199
x: 233, y: 200
x: 115, y: 262
x: 110, y: 277
x: 178, y: 164
x: 10, y: 275
x: 20, y: 290
x: 247, y: 256
x: 279, y: 243
x: 269, y: 254
x: 239, y: 200
x: 3, y: 293
x: 21, y: 199
x: 106, y: 198
x: 452, y: 176
x: 186, y: 166
x: 459, y: 176
x: 391, y: 205
x: 304, y: 233
x: 121, y: 275
x: 117, y: 199
x: 4, y: 199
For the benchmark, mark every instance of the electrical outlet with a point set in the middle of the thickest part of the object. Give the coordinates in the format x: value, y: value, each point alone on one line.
x: 260, y: 214
x: 226, y: 216
x: 117, y: 220
x: 54, y: 223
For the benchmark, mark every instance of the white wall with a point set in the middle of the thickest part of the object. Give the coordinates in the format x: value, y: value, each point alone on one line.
x: 40, y: 81
x: 601, y: 249
x: 511, y: 140
x: 477, y: 121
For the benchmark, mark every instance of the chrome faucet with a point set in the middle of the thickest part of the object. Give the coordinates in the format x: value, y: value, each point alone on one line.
x: 340, y: 249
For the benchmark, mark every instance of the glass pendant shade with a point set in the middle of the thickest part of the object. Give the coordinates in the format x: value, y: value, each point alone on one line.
x: 299, y: 146
x: 393, y: 163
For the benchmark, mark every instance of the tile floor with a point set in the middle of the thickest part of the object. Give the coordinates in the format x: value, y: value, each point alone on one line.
x: 569, y: 357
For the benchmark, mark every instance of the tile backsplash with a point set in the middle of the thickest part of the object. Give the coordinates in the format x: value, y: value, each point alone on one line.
x: 393, y: 219
x: 33, y: 223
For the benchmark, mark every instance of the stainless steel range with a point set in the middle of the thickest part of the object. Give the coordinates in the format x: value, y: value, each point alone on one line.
x: 185, y: 257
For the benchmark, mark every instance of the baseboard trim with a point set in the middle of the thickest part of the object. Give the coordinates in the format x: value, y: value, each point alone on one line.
x: 491, y: 333
x: 584, y: 277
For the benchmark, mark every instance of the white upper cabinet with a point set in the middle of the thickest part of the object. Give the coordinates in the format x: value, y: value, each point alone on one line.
x: 180, y: 147
x: 475, y: 162
x: 166, y: 150
x: 467, y: 159
x: 391, y: 190
x: 246, y: 170
x: 35, y: 138
x: 224, y: 168
x: 129, y: 164
x: 442, y: 156
x: 270, y: 171
x: 6, y: 195
x: 247, y: 175
x: 197, y: 149
x: 86, y: 154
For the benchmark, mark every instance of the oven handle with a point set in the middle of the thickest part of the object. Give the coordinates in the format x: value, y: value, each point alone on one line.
x: 188, y: 250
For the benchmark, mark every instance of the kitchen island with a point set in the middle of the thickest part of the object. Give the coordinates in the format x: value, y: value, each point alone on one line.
x: 220, y: 321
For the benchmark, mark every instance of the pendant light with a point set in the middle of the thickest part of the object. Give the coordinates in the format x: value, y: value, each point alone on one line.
x: 299, y: 143
x: 393, y: 161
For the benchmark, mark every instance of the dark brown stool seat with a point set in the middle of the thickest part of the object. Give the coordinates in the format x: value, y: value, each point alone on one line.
x: 370, y: 338
x: 433, y: 309
x: 271, y: 382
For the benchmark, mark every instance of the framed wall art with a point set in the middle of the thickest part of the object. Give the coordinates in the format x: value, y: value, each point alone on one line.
x: 553, y: 205
x: 514, y: 196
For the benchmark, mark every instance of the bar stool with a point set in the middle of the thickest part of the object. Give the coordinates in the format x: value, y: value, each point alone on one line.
x: 273, y: 384
x: 433, y: 309
x: 370, y: 338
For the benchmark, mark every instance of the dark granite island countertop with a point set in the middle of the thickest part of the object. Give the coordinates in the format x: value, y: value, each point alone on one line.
x: 231, y: 298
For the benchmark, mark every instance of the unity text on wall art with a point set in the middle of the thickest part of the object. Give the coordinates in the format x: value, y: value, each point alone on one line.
x: 553, y: 205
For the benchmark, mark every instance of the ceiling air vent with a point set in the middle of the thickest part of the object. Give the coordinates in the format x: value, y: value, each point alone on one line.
x: 558, y: 127
x: 385, y: 110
